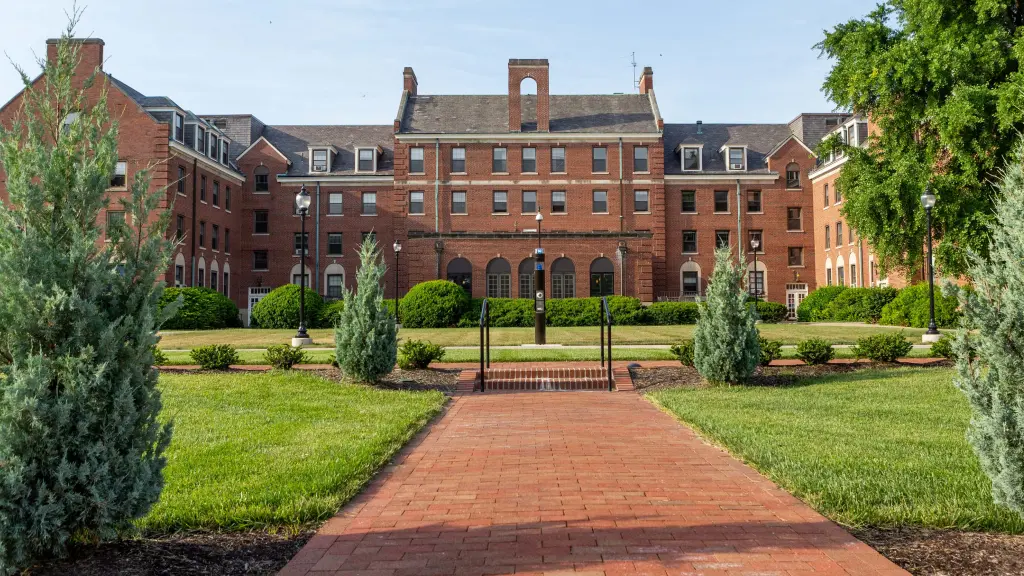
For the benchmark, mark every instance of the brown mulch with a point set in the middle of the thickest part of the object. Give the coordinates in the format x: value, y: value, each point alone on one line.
x: 197, y: 553
x: 947, y: 552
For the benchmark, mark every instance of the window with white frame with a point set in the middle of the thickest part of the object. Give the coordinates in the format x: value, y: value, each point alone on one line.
x: 640, y: 159
x: 214, y: 142
x: 558, y: 202
x: 367, y: 160
x: 319, y: 161
x: 119, y: 180
x: 223, y: 151
x: 179, y: 127
x: 499, y: 202
x: 529, y: 160
x: 459, y: 202
x: 335, y: 283
x: 334, y: 203
x: 369, y: 203
x: 737, y: 158
x: 459, y: 160
x: 691, y: 158
x: 416, y: 160
x: 499, y: 160
x: 600, y: 202
x: 641, y: 201
x: 200, y: 139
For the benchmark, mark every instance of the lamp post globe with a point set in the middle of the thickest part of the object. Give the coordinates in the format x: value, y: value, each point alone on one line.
x: 398, y: 248
x: 302, y: 202
x: 928, y: 201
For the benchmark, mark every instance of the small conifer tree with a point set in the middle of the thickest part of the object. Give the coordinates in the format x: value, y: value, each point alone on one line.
x: 366, y: 337
x: 725, y: 344
x: 990, y: 360
x: 81, y: 449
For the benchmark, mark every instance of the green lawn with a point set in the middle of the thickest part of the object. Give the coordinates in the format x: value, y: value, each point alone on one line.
x: 787, y: 333
x: 275, y: 450
x: 874, y: 448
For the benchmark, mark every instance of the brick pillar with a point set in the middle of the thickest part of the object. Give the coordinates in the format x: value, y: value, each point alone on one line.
x: 518, y: 70
x: 90, y: 51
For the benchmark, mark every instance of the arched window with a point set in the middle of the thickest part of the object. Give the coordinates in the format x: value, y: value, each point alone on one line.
x: 602, y: 277
x: 334, y: 281
x: 179, y: 270
x: 201, y: 277
x: 690, y: 280
x: 853, y: 270
x: 563, y: 278
x: 227, y: 279
x: 793, y: 175
x: 828, y: 271
x: 460, y: 271
x: 840, y: 271
x: 526, y: 268
x: 757, y: 279
x: 499, y: 278
x: 528, y: 111
x: 214, y: 275
x: 261, y: 179
x: 295, y: 275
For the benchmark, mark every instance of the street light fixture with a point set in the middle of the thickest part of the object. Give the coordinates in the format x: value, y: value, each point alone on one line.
x: 398, y: 248
x: 755, y: 243
x: 932, y: 334
x: 302, y: 202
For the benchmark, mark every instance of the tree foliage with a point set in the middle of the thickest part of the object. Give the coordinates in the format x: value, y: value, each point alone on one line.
x: 366, y: 337
x: 81, y: 449
x: 990, y: 360
x: 942, y: 80
x: 725, y: 340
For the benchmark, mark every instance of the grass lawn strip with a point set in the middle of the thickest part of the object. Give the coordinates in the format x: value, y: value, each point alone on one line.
x: 875, y: 447
x: 275, y: 450
x: 588, y: 335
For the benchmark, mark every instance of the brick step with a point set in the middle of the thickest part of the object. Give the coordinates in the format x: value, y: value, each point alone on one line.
x: 545, y: 379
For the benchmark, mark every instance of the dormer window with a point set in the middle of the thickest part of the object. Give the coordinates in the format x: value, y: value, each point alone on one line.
x: 691, y: 158
x: 367, y: 160
x: 319, y: 160
x: 212, y: 152
x: 200, y: 139
x: 737, y: 158
x: 224, y: 152
x: 179, y: 127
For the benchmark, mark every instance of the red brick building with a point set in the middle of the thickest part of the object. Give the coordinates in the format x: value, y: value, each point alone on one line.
x: 630, y: 204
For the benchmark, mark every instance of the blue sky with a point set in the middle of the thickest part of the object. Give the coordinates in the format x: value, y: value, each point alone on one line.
x: 340, y: 62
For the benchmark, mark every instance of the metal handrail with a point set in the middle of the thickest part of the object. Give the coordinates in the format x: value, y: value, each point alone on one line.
x: 485, y: 342
x: 605, y: 316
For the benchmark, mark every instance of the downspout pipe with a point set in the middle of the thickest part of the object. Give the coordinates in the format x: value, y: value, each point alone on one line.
x: 195, y: 194
x: 437, y: 184
x: 316, y: 243
x: 622, y: 220
x: 739, y: 226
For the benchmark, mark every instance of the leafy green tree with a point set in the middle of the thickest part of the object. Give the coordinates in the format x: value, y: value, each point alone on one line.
x: 990, y: 360
x: 81, y: 448
x: 725, y: 340
x: 366, y: 337
x: 943, y: 81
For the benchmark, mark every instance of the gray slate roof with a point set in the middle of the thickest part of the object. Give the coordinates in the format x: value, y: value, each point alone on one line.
x: 140, y: 98
x: 488, y: 114
x: 811, y: 127
x: 293, y: 142
x: 759, y: 139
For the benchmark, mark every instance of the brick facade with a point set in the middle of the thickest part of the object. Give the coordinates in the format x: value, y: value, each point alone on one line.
x: 623, y: 179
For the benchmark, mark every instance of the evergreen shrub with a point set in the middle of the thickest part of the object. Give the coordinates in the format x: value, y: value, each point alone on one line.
x: 910, y: 308
x: 726, y: 347
x: 283, y: 356
x: 684, y: 352
x: 433, y: 304
x: 887, y: 347
x: 770, y: 350
x: 200, y: 309
x: 815, y: 351
x: 330, y: 314
x: 943, y: 348
x: 280, y: 308
x: 816, y: 301
x: 771, y: 312
x: 672, y: 313
x: 366, y: 337
x: 215, y: 356
x: 418, y: 354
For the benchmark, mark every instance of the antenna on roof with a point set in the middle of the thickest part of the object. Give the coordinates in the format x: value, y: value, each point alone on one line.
x: 632, y: 59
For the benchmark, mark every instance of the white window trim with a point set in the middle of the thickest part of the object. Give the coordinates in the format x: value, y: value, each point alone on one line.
x: 700, y: 156
x: 178, y: 116
x: 332, y: 153
x: 376, y: 153
x: 423, y: 159
x: 728, y: 161
x: 423, y: 202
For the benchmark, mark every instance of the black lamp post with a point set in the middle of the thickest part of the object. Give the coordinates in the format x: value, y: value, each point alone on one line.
x: 928, y: 201
x: 755, y: 243
x: 398, y: 249
x: 302, y: 202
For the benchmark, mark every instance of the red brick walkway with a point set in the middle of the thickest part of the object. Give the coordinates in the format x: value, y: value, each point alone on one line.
x: 594, y: 482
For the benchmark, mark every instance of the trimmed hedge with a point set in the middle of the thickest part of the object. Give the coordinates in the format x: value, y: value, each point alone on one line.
x: 201, y: 309
x: 280, y: 308
x: 857, y: 305
x: 671, y: 313
x: 771, y: 312
x: 518, y: 312
x: 816, y: 301
x: 814, y: 351
x: 433, y: 304
x: 910, y: 308
x: 331, y: 312
x: 215, y: 356
x: 883, y: 347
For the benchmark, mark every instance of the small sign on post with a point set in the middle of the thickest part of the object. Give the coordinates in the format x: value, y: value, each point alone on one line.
x: 540, y: 314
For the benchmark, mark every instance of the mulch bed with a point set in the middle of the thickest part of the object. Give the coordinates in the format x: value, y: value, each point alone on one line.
x: 947, y: 552
x: 199, y: 553
x: 652, y: 379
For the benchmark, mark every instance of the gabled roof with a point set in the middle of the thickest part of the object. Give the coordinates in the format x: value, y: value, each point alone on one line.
x: 142, y: 99
x: 488, y: 114
x: 760, y: 140
x: 294, y: 141
x: 257, y: 141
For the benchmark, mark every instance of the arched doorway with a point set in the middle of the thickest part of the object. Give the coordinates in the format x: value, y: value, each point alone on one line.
x: 526, y: 268
x: 499, y: 278
x: 757, y: 279
x: 563, y: 278
x: 460, y: 271
x: 690, y: 280
x: 602, y: 277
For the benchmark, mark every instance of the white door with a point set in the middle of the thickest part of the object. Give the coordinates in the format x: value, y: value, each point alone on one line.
x: 255, y: 295
x: 795, y: 294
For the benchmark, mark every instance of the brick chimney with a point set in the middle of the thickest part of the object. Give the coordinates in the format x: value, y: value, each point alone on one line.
x: 90, y: 51
x: 409, y: 81
x: 518, y: 70
x: 646, y: 80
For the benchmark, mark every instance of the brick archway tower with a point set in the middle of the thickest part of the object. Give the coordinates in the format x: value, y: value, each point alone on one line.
x: 518, y: 70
